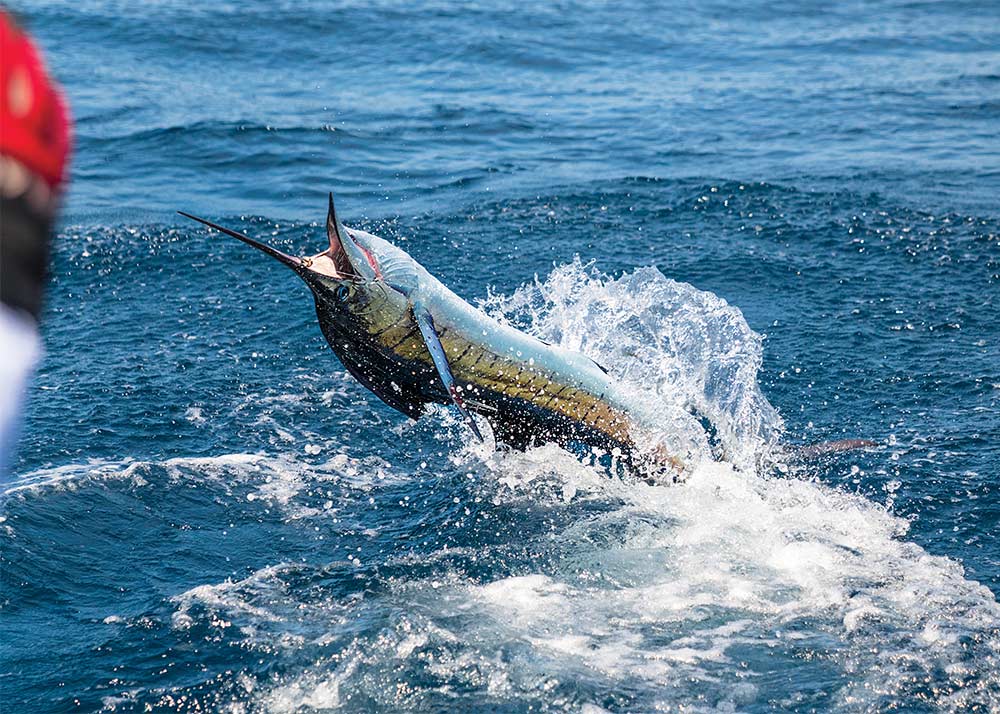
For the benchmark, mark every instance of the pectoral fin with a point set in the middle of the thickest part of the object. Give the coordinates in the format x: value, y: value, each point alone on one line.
x: 426, y: 324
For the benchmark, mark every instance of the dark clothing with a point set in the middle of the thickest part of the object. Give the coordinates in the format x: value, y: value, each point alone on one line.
x: 24, y: 255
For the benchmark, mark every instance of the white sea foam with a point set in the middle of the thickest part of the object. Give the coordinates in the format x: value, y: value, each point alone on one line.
x: 231, y: 598
x: 757, y: 554
x: 74, y: 475
x: 688, y: 595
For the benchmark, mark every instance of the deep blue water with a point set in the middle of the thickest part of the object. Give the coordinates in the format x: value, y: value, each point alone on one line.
x: 207, y: 513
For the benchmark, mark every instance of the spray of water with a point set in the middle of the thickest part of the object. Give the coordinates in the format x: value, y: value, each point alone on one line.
x: 687, y: 350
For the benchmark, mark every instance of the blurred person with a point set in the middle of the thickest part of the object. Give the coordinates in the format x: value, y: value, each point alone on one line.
x: 34, y: 148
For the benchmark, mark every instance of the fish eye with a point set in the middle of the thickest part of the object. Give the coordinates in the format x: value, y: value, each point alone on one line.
x: 341, y: 293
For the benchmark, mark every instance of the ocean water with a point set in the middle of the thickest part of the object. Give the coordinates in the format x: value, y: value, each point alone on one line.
x: 783, y: 213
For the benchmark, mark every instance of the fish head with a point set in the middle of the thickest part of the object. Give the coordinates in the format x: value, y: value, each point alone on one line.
x: 348, y: 258
x: 346, y: 279
x: 347, y: 282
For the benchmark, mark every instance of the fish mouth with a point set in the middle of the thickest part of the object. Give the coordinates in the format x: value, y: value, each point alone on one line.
x: 338, y: 261
x: 342, y: 259
x: 333, y: 263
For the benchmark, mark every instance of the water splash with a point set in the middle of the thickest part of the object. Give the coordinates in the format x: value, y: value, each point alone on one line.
x: 689, y: 347
x: 647, y: 597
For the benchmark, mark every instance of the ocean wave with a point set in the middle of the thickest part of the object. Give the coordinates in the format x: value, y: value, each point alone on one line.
x: 276, y: 479
x: 539, y: 578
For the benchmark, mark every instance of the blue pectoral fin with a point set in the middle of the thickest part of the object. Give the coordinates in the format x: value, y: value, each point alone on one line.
x: 426, y: 324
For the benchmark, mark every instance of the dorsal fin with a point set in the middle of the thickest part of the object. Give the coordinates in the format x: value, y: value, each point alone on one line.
x: 337, y: 235
x: 335, y: 230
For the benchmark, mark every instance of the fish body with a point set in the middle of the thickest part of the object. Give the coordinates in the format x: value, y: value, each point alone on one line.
x: 410, y: 340
x: 528, y: 390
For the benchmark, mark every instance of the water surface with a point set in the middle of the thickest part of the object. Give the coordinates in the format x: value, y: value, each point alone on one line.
x: 784, y: 213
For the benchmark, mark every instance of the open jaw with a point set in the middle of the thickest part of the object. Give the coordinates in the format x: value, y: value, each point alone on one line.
x: 346, y: 258
x: 333, y: 262
x: 323, y: 264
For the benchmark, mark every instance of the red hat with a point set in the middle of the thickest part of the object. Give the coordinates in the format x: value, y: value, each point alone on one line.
x: 34, y: 125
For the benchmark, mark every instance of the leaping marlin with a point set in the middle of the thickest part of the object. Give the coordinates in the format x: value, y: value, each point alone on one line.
x: 409, y: 339
x: 412, y: 341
